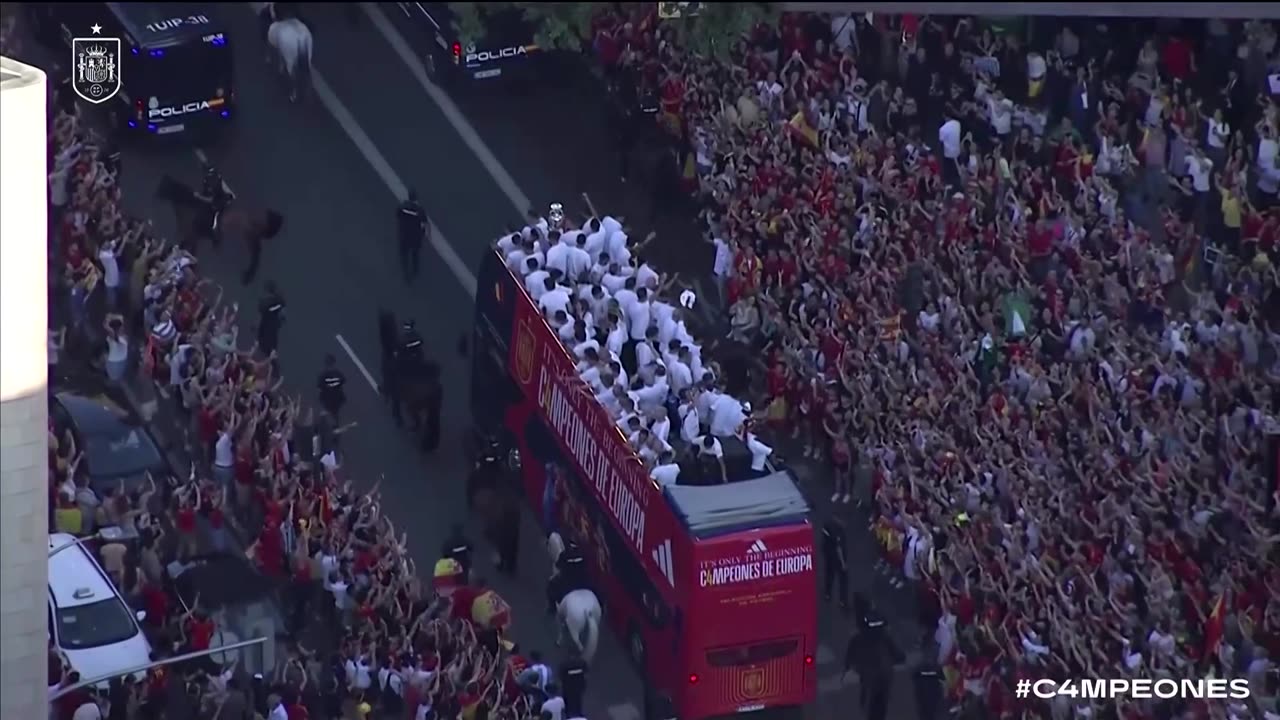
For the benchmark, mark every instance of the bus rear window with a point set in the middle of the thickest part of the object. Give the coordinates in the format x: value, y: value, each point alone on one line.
x: 752, y: 654
x: 190, y: 69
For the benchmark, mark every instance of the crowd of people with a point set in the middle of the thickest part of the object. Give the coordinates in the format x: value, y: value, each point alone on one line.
x: 1019, y: 291
x: 129, y: 309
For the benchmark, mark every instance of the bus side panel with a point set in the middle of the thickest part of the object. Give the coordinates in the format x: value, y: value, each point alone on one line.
x: 753, y: 636
x: 633, y: 606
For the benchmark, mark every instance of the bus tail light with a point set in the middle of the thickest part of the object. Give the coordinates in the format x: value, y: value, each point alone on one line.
x: 808, y: 661
x: 693, y: 678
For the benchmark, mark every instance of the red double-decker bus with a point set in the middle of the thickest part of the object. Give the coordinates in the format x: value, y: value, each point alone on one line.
x: 712, y: 589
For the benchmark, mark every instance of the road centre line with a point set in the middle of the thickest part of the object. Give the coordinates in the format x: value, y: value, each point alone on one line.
x: 346, y: 347
x: 325, y: 94
x: 450, y: 109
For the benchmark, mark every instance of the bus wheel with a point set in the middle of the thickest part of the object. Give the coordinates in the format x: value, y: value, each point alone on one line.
x: 635, y: 649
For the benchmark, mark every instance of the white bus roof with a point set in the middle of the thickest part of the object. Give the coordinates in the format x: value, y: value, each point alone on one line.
x: 718, y: 509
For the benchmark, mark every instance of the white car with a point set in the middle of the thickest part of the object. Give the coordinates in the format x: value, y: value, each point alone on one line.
x: 88, y: 620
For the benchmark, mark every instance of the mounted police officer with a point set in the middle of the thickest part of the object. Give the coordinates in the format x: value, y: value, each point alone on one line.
x: 214, y: 191
x: 331, y: 383
x: 270, y: 319
x: 412, y: 226
x: 571, y: 574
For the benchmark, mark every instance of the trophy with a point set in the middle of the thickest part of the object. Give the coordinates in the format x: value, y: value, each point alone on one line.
x: 556, y: 215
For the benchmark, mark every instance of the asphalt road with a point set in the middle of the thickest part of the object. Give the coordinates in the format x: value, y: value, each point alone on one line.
x: 336, y: 264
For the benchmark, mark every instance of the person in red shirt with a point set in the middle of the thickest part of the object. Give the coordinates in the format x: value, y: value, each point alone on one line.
x: 1178, y: 57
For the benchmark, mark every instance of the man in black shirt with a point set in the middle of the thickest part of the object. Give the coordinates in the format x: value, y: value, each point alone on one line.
x: 331, y: 384
x: 458, y: 547
x: 835, y: 553
x: 573, y: 684
x: 270, y: 319
x: 411, y: 221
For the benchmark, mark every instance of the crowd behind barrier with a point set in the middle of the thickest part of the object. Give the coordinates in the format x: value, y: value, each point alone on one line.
x: 124, y: 300
x: 1019, y: 290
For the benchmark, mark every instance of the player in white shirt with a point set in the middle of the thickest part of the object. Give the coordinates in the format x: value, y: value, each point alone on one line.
x: 690, y: 427
x: 727, y: 415
x: 638, y: 315
x: 553, y: 298
x: 667, y: 471
x: 578, y: 262
x: 558, y: 254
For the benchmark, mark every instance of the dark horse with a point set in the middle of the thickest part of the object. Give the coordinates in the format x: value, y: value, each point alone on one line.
x: 414, y: 392
x: 196, y: 220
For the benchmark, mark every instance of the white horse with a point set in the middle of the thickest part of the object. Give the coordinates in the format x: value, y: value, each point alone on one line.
x: 579, y: 615
x: 290, y: 38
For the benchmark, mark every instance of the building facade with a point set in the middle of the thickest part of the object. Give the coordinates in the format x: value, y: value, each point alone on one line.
x: 24, y: 478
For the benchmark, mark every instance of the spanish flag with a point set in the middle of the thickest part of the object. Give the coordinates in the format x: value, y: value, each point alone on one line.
x: 448, y: 575
x: 490, y: 611
x: 1214, y: 627
x: 800, y: 126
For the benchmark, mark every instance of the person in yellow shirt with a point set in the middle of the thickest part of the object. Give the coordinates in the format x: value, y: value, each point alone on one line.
x: 1232, y: 216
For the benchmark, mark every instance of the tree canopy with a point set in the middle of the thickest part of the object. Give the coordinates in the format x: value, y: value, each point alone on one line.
x: 567, y: 26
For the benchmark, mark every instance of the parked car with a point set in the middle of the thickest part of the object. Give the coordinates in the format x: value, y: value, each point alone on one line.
x: 116, y: 443
x: 88, y: 619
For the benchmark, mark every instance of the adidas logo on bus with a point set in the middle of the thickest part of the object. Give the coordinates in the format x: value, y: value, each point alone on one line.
x: 662, y: 557
x: 758, y: 547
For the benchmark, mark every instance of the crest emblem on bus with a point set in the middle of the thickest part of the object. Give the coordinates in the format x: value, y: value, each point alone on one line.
x: 525, y: 345
x: 95, y: 67
x: 753, y: 683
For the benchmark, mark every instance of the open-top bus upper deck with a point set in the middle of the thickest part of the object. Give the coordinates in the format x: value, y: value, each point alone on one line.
x: 711, y: 587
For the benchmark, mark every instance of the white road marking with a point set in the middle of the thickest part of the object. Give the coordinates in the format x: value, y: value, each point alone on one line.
x: 623, y: 711
x: 449, y: 108
x: 359, y: 365
x: 325, y: 94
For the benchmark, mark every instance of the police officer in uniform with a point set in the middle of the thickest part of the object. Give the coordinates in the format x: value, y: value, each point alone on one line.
x: 331, y: 384
x: 835, y: 552
x: 214, y: 192
x: 573, y: 684
x: 270, y: 319
x: 458, y: 547
x: 571, y: 574
x: 866, y: 655
x: 928, y: 688
x: 411, y: 221
x: 409, y: 362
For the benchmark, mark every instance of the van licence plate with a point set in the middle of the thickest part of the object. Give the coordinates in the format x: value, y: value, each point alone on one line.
x: 167, y: 129
x: 488, y: 73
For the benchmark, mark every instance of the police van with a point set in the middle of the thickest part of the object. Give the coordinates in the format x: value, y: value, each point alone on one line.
x: 507, y: 48
x: 176, y: 69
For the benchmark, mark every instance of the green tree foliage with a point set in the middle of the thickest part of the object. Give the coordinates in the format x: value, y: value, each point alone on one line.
x: 567, y: 26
